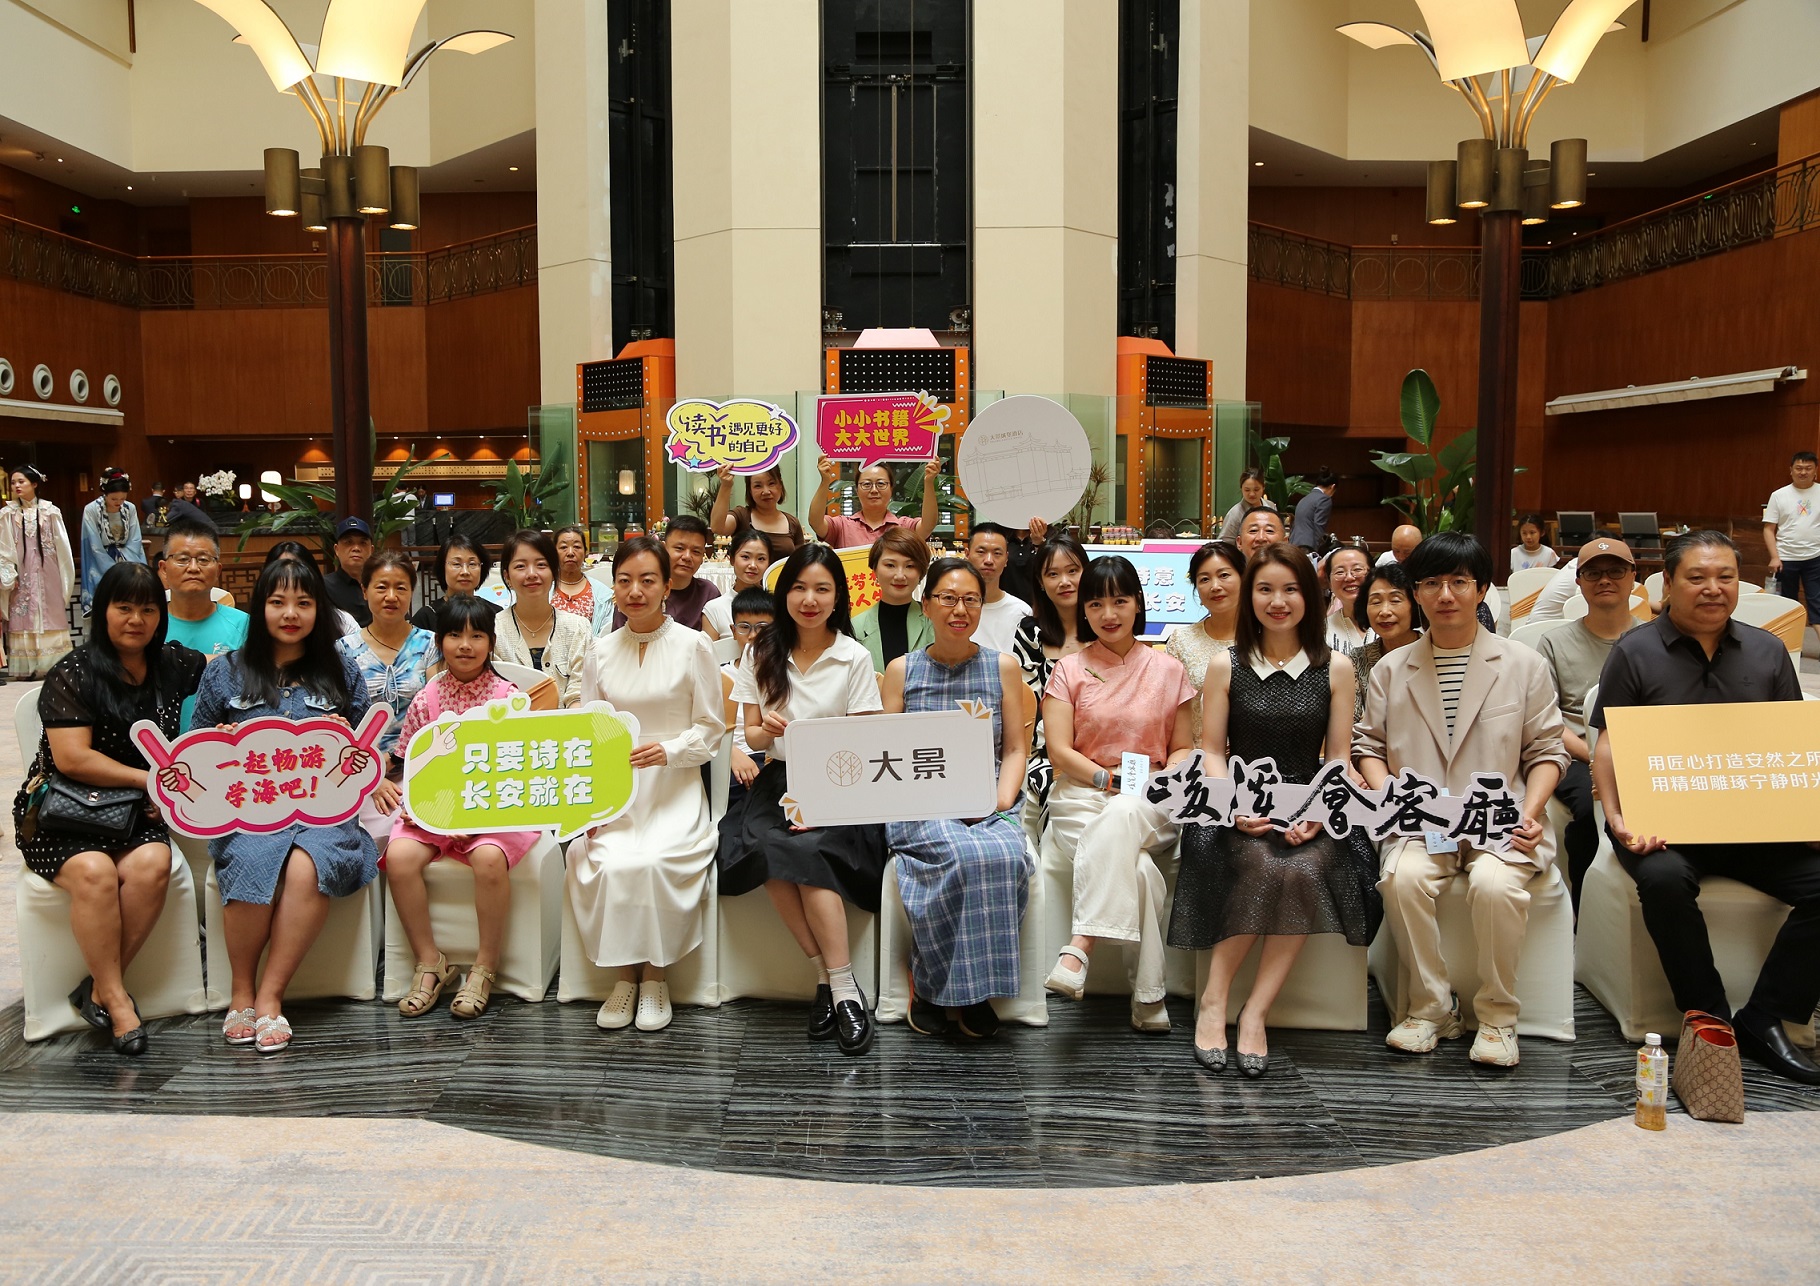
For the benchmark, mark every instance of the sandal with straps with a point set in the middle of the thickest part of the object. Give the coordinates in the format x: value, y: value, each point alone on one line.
x: 476, y: 990
x: 240, y: 1027
x: 422, y: 999
x: 275, y: 1025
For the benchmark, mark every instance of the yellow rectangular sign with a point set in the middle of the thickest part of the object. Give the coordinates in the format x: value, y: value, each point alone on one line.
x: 1710, y: 774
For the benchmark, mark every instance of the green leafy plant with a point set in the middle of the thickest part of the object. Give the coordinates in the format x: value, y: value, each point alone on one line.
x: 1441, y: 495
x: 1081, y: 516
x: 522, y: 499
x: 1281, y: 488
x: 700, y: 503
x: 947, y: 494
x: 309, y: 509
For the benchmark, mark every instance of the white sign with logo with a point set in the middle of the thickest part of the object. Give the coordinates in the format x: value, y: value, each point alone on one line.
x: 1023, y: 457
x: 861, y: 769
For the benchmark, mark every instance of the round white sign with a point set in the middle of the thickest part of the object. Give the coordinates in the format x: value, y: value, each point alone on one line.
x: 1023, y: 457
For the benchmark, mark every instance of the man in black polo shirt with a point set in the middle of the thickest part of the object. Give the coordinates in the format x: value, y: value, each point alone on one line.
x: 353, y: 546
x: 1695, y: 654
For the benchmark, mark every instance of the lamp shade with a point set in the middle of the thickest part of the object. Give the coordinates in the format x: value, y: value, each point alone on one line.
x: 1507, y: 191
x: 1472, y: 37
x: 1570, y: 41
x: 372, y: 179
x: 314, y: 219
x: 405, y: 215
x: 338, y: 187
x: 1535, y: 193
x: 1441, y: 191
x: 628, y: 485
x: 282, y: 190
x: 1478, y: 160
x: 1567, y: 173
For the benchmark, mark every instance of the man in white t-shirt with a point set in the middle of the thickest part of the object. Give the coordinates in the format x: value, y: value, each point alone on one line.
x: 1551, y: 599
x: 1791, y: 532
x: 1403, y: 542
x: 989, y: 549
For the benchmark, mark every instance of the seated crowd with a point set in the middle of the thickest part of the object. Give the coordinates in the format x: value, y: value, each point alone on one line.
x: 1382, y: 668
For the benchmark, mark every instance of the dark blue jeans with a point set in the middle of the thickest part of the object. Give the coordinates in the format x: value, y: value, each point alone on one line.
x: 1798, y: 579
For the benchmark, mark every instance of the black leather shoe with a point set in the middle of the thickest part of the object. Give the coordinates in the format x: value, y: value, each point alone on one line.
x: 83, y: 1000
x: 134, y: 1043
x: 853, y: 1026
x: 821, y: 1014
x: 1762, y: 1037
x: 930, y: 1020
x: 1253, y: 1065
x: 1214, y: 1060
x: 980, y: 1021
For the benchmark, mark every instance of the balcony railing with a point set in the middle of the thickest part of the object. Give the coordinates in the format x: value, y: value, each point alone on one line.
x: 394, y: 278
x: 1773, y: 204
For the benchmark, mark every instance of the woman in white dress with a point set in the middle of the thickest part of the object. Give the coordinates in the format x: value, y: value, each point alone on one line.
x: 638, y: 884
x: 531, y: 631
x: 37, y: 576
x: 1346, y: 569
x: 1215, y: 572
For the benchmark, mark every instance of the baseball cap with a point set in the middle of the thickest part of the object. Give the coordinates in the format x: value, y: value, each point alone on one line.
x: 352, y: 527
x: 1606, y: 547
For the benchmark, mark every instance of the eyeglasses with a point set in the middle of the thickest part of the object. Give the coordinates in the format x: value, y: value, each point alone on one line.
x: 192, y: 560
x: 471, y: 565
x: 751, y: 629
x: 952, y: 601
x: 1458, y: 586
x: 1599, y: 574
x: 873, y: 485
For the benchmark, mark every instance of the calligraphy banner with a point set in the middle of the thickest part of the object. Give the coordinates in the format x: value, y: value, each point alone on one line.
x: 262, y: 775
x: 506, y: 767
x: 1411, y: 805
x: 873, y: 427
x: 859, y: 769
x: 1745, y: 773
x: 750, y: 436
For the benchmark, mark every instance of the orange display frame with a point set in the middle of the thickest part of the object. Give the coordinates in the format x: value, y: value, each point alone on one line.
x: 657, y: 360
x: 1139, y: 422
x: 959, y: 408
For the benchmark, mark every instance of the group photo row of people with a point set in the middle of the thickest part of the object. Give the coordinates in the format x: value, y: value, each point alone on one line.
x: 1386, y: 667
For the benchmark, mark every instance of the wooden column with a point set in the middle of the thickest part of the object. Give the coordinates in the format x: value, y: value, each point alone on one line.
x: 348, y: 396
x: 1500, y: 298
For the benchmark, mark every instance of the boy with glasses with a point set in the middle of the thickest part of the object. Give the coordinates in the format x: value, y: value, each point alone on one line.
x: 190, y: 570
x: 1458, y: 701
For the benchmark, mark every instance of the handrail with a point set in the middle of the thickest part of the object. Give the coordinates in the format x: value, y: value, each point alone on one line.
x: 395, y: 278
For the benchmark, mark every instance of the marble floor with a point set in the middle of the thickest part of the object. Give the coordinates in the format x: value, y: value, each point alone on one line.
x: 1084, y: 1102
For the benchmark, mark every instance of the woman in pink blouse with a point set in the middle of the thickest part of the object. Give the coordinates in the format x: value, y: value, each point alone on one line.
x: 1115, y: 696
x: 464, y: 633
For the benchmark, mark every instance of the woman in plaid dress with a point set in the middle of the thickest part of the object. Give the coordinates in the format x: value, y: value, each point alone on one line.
x: 964, y: 883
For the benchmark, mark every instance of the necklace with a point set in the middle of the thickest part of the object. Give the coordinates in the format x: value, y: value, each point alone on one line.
x: 538, y: 637
x: 380, y: 645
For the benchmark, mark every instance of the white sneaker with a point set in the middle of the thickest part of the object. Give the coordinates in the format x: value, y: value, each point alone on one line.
x: 617, y: 1012
x: 1495, y: 1046
x: 653, y: 1006
x: 1419, y: 1035
x: 1149, y: 1017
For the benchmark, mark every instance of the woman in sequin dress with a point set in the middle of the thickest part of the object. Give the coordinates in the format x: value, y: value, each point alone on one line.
x: 1278, y: 694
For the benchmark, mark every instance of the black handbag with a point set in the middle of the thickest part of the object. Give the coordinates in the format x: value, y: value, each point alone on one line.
x: 102, y: 812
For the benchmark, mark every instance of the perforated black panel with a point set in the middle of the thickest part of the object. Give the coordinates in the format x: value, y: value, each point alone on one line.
x: 1175, y: 381
x: 898, y: 370
x: 613, y: 386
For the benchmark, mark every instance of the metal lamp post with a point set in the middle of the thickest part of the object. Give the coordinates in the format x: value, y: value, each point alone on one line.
x: 368, y: 44
x: 1478, y: 48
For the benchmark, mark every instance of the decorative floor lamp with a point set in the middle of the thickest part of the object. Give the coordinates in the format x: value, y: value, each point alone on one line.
x: 367, y: 42
x: 1478, y: 48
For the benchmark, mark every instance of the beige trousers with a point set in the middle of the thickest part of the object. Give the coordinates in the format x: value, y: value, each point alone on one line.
x: 1116, y: 842
x: 1497, y: 896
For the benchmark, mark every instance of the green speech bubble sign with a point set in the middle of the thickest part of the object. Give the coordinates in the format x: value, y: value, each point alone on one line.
x: 506, y: 767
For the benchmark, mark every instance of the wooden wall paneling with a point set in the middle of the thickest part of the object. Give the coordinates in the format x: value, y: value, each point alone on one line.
x: 1532, y: 392
x: 1798, y: 130
x: 397, y: 372
x: 1298, y: 362
x: 1391, y: 337
x: 42, y: 202
x: 449, y: 217
x: 225, y: 372
x: 482, y: 361
x: 240, y: 226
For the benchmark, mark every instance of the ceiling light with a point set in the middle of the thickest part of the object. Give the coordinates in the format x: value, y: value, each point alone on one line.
x: 1471, y: 37
x: 129, y: 187
x: 369, y: 40
x: 1570, y: 41
x: 514, y: 168
x: 1257, y: 165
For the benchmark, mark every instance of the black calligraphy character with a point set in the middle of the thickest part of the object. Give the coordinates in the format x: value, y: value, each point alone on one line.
x: 884, y: 762
x: 1338, y: 796
x: 1256, y: 785
x: 930, y: 763
x: 1402, y: 811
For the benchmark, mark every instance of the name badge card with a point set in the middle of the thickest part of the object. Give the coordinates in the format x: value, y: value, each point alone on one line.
x: 860, y: 769
x: 1134, y: 773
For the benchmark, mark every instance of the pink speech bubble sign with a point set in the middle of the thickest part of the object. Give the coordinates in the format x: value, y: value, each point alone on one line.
x: 874, y: 427
x: 264, y: 775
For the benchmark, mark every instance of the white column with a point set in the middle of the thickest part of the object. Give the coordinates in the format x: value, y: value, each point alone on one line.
x: 1212, y: 275
x: 574, y: 246
x: 746, y: 122
x: 1045, y: 176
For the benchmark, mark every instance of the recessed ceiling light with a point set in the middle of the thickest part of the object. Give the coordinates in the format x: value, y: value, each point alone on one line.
x: 129, y: 187
x: 514, y: 168
x: 1257, y: 165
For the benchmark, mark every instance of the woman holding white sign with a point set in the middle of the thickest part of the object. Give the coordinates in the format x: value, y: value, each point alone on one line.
x: 964, y: 883
x: 638, y: 884
x: 464, y: 638
x: 1279, y: 693
x: 531, y: 631
x: 809, y: 666
x: 1113, y: 699
x: 275, y: 887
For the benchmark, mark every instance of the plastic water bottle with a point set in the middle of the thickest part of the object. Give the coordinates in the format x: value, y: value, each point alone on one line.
x: 1652, y: 1084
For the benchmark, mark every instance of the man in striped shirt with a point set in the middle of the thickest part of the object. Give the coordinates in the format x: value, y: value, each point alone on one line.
x: 1457, y: 702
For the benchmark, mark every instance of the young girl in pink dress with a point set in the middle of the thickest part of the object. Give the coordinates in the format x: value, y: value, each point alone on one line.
x: 464, y: 632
